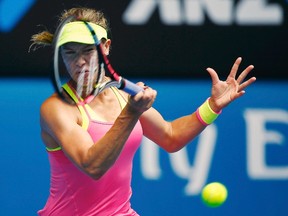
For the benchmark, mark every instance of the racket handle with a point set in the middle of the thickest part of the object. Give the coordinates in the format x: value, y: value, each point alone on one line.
x: 130, y: 87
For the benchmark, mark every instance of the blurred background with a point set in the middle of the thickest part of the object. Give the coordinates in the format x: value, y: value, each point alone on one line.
x: 168, y: 44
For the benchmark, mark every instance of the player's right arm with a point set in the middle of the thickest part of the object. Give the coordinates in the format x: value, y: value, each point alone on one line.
x: 61, y: 126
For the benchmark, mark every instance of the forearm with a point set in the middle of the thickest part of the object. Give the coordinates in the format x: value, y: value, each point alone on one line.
x: 187, y: 128
x: 183, y: 131
x: 103, y: 154
x: 172, y: 136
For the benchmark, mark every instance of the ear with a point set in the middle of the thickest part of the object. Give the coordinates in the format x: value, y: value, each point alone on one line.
x: 106, y: 46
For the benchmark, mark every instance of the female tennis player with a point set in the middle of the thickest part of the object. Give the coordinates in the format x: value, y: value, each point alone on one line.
x: 91, y: 144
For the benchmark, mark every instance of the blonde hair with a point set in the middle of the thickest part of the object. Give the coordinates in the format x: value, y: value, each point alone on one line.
x: 45, y: 38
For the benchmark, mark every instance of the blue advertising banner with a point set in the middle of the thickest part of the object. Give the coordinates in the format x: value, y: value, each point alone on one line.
x: 246, y: 149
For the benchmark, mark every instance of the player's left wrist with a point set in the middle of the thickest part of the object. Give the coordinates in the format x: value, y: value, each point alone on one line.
x: 213, y: 105
x: 205, y: 114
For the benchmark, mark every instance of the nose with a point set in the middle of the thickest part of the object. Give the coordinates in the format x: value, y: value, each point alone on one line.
x: 80, y: 60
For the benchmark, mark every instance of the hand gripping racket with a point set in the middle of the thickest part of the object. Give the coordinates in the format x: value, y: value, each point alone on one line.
x: 87, y: 81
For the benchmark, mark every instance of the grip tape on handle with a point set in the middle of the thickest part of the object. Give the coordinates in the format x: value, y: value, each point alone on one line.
x: 131, y: 88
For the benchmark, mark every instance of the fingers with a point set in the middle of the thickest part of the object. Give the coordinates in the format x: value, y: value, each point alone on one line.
x: 246, y: 83
x: 147, y: 91
x: 141, y: 84
x: 242, y: 77
x: 235, y: 68
x: 244, y: 74
x: 214, y: 75
x: 238, y: 95
x: 144, y: 99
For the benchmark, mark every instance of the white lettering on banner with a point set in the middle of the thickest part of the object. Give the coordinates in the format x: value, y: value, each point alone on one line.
x: 219, y: 12
x: 251, y: 12
x: 193, y: 12
x: 149, y: 155
x: 180, y: 163
x: 258, y: 137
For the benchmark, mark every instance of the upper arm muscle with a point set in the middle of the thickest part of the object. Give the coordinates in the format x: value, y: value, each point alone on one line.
x: 59, y: 121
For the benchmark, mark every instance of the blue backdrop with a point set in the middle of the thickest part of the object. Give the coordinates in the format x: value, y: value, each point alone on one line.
x: 246, y: 149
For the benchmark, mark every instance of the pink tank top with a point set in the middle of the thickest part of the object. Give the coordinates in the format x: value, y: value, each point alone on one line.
x: 74, y: 193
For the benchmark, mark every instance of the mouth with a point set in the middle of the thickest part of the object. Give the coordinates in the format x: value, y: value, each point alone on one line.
x: 83, y: 72
x: 84, y: 75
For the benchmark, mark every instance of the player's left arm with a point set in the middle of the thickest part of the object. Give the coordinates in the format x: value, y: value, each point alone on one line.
x: 172, y: 136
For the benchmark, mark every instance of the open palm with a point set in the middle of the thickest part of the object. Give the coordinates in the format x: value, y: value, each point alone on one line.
x: 224, y: 92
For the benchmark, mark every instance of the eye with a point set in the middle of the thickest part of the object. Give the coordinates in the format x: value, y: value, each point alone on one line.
x: 89, y: 50
x: 69, y: 52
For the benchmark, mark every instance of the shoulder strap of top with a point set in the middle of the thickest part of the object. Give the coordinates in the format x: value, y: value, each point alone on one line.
x: 71, y: 93
x: 86, y: 112
x: 120, y: 97
x: 81, y: 106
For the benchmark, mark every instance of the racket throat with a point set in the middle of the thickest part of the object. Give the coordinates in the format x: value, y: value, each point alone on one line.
x: 121, y: 82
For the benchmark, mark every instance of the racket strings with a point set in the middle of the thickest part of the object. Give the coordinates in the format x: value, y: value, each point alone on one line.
x: 90, y: 81
x: 102, y: 58
x: 86, y: 84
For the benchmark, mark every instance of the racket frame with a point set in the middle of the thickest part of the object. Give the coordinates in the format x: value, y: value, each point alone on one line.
x: 117, y: 81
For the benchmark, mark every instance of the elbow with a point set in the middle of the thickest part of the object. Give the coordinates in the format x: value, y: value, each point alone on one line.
x: 95, y: 173
x: 95, y: 169
x: 170, y: 141
x: 172, y: 147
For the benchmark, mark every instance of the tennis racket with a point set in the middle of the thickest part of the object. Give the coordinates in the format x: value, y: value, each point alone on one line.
x: 89, y: 79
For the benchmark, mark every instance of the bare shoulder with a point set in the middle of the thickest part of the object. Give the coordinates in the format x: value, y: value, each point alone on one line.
x: 51, y: 106
x: 56, y: 120
x: 53, y: 109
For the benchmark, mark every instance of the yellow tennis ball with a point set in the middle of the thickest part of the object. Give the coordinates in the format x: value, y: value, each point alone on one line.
x: 214, y: 194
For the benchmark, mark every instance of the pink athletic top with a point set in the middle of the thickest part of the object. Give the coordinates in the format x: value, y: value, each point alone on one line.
x: 74, y: 193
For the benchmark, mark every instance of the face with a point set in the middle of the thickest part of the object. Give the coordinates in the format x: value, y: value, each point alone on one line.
x: 81, y: 61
